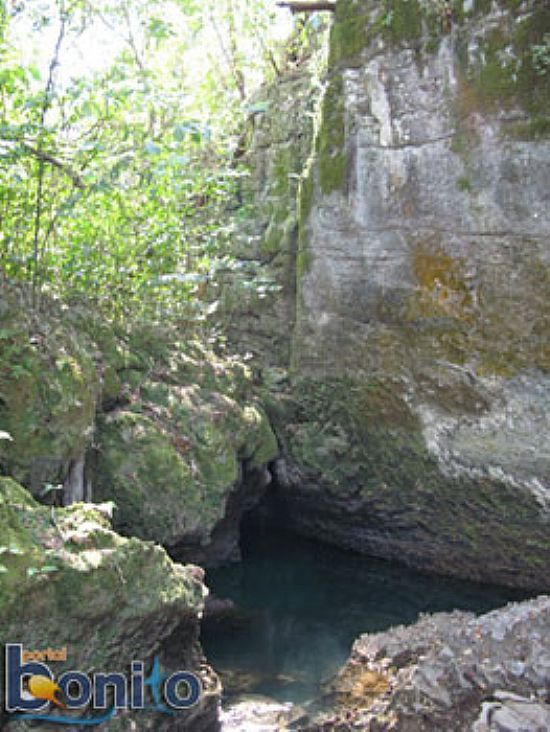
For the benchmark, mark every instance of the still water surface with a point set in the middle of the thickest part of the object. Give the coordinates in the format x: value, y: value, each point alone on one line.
x: 300, y: 604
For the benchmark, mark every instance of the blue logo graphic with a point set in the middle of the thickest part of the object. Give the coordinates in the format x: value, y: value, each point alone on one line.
x: 31, y: 690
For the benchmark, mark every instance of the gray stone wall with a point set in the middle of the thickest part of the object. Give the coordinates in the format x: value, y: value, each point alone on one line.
x: 417, y: 426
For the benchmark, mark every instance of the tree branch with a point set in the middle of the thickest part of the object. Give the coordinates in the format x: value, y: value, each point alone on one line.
x: 47, y: 158
x: 38, y: 250
x: 229, y: 57
x: 303, y: 6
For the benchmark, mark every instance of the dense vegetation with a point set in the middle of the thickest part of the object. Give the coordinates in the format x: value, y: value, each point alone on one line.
x: 120, y: 126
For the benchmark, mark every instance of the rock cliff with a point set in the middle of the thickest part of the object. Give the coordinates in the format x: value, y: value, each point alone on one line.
x: 415, y: 423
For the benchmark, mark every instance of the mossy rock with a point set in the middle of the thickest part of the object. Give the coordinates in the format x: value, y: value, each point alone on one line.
x: 179, y: 421
x: 503, y: 74
x: 332, y: 158
x: 159, y: 490
x: 170, y: 457
x: 69, y: 580
x: 48, y: 390
x: 68, y: 576
x: 353, y: 433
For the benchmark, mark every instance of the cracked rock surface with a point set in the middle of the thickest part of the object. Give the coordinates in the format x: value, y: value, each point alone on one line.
x: 450, y: 671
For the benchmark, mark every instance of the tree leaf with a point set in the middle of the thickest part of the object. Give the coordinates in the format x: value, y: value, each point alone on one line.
x: 50, y: 488
x: 49, y: 568
x: 152, y: 148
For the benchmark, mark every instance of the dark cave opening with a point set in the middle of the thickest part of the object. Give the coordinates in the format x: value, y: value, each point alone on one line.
x: 282, y: 620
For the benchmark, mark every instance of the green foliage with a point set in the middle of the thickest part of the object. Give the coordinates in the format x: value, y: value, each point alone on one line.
x: 117, y: 186
x: 540, y: 54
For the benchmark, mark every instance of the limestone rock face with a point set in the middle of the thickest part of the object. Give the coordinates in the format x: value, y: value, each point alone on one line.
x: 260, y: 319
x: 67, y: 579
x: 417, y: 423
x: 449, y: 671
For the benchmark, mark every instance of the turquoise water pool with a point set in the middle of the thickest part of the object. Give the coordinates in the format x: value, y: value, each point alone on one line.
x: 299, y: 605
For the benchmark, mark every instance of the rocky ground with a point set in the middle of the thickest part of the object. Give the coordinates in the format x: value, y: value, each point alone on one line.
x: 450, y: 671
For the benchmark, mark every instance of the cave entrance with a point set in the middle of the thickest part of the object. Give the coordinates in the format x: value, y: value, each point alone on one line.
x: 284, y: 618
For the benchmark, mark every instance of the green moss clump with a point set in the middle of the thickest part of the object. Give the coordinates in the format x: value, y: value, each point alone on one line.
x: 261, y: 446
x: 305, y: 198
x: 332, y: 172
x: 282, y: 167
x: 504, y: 75
x: 464, y: 184
x: 335, y: 427
x: 138, y: 465
x: 305, y: 204
x: 349, y: 33
x: 332, y: 158
x: 537, y: 128
x: 398, y: 22
x: 403, y: 20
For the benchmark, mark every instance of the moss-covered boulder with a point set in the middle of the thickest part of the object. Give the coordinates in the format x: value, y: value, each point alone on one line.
x: 186, y: 435
x: 134, y: 414
x: 66, y: 579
